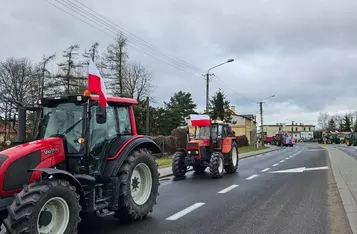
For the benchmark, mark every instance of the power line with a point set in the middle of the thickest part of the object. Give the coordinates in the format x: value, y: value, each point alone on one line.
x: 219, y: 80
x: 113, y: 33
x: 138, y: 38
x: 133, y: 40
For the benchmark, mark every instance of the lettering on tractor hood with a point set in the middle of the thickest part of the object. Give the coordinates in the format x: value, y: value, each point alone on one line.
x: 50, y: 151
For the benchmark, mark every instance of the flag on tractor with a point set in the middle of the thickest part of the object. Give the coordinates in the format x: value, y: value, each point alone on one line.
x: 96, y: 83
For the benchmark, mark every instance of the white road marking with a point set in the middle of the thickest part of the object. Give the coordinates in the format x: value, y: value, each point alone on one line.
x: 316, y: 168
x: 228, y: 188
x: 281, y: 161
x: 185, y: 211
x: 300, y: 169
x: 266, y: 169
x: 287, y: 158
x: 276, y: 164
x: 251, y: 177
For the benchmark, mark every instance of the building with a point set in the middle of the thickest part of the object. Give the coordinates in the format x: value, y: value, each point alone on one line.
x: 300, y: 130
x: 241, y: 125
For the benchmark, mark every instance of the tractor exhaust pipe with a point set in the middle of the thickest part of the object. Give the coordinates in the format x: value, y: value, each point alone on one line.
x: 21, y: 134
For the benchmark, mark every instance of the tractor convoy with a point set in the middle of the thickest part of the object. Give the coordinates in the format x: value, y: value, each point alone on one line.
x: 83, y: 159
x: 212, y: 146
x: 282, y: 139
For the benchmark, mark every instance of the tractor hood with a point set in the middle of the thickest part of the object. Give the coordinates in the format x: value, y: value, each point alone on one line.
x: 16, y: 162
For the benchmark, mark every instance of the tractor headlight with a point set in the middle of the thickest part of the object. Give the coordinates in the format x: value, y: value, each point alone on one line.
x: 193, y: 152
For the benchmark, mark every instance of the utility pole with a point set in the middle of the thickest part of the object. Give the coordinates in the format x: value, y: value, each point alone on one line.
x: 207, y: 90
x: 261, y: 123
x: 147, y: 115
x: 292, y: 130
x: 121, y: 70
x: 207, y: 81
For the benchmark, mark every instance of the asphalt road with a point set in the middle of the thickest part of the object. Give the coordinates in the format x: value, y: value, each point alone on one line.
x: 349, y: 150
x: 250, y: 201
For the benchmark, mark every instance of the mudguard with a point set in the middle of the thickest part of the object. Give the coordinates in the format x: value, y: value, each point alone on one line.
x: 112, y: 167
x: 61, y: 174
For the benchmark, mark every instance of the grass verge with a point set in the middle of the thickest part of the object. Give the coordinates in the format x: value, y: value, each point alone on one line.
x: 164, y: 161
x: 246, y: 149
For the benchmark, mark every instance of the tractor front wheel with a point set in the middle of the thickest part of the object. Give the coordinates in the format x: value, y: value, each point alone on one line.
x: 232, y: 159
x: 139, y: 185
x: 48, y: 206
x: 216, y: 165
x: 178, y: 164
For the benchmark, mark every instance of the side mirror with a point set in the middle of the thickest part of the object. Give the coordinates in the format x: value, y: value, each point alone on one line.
x: 101, y: 115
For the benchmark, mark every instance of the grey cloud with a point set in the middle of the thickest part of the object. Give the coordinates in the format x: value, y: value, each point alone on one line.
x: 303, y: 51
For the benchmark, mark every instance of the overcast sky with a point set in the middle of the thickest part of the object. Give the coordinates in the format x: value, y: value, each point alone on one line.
x: 303, y: 51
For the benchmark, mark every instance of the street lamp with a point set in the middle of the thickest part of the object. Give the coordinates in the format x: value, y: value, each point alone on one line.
x: 207, y: 81
x: 261, y: 118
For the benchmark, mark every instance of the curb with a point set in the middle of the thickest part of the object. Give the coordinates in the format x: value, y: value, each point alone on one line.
x: 255, y: 154
x: 349, y: 203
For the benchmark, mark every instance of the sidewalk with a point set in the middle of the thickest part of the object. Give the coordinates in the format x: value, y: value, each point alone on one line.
x: 344, y: 169
x: 164, y: 172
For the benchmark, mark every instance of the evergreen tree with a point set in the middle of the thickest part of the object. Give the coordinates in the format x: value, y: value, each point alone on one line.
x: 220, y: 108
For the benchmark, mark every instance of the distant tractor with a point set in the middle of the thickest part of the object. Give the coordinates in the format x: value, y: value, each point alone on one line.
x: 351, y: 139
x: 212, y: 146
x: 84, y: 159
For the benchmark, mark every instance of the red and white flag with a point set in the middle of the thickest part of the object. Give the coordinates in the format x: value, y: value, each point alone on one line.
x: 200, y: 120
x: 96, y: 83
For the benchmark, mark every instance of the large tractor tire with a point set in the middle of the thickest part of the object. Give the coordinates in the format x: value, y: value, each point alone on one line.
x: 139, y: 186
x: 48, y: 206
x: 216, y: 165
x: 232, y: 159
x: 179, y: 168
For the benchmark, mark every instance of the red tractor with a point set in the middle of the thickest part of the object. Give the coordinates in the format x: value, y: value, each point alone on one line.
x: 83, y: 159
x: 212, y: 146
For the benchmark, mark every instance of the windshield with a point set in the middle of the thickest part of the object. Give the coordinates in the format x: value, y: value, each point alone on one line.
x: 202, y: 132
x: 59, y: 119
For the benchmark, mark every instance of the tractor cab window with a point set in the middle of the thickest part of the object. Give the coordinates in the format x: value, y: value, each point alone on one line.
x: 124, y: 120
x: 102, y: 132
x: 222, y: 130
x: 64, y: 118
x: 202, y: 132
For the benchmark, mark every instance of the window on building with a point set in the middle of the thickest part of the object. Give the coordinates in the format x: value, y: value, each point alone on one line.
x: 304, y: 129
x: 296, y: 129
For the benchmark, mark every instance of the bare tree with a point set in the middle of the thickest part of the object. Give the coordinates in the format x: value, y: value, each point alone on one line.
x: 322, y: 120
x: 115, y: 60
x: 138, y: 82
x: 16, y: 84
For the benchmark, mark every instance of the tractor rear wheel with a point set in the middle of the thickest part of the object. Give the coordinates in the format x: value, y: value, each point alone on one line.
x: 232, y: 159
x: 48, y: 206
x: 178, y: 164
x: 139, y: 185
x: 216, y: 165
